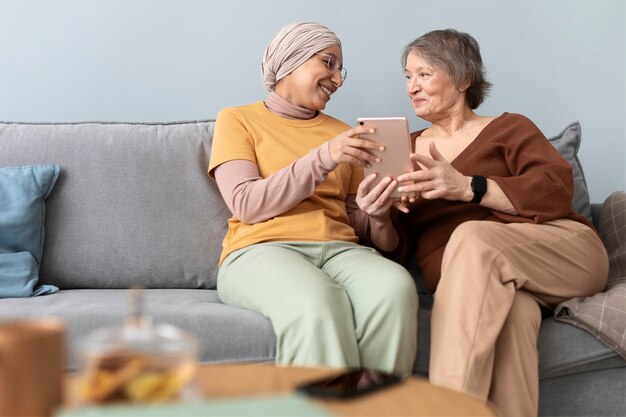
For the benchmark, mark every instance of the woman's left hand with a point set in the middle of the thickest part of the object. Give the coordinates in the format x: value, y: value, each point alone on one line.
x: 375, y: 199
x: 437, y: 179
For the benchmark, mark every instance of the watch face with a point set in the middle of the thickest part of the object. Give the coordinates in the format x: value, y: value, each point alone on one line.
x: 479, y: 187
x: 479, y: 184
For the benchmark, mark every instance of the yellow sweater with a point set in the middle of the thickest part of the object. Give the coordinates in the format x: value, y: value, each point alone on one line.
x: 253, y: 133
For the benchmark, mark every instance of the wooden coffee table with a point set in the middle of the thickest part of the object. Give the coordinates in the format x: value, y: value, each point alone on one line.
x: 414, y: 397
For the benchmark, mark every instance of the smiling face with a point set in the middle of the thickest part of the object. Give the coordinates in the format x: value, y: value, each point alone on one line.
x: 312, y: 84
x: 433, y: 94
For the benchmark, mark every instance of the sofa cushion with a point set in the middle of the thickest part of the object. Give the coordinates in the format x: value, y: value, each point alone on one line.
x: 566, y: 350
x: 567, y: 143
x: 225, y: 333
x: 604, y: 314
x: 23, y: 191
x: 134, y: 204
x: 594, y: 393
x: 563, y: 349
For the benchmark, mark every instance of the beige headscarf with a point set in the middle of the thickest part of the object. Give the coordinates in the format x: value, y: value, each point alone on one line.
x: 291, y: 47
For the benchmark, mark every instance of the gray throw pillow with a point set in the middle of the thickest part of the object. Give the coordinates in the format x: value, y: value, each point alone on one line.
x: 567, y: 143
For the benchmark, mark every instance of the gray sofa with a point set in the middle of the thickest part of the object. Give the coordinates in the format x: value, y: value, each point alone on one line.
x: 133, y: 205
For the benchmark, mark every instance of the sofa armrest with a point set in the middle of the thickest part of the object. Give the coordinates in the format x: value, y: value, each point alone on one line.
x: 595, y: 214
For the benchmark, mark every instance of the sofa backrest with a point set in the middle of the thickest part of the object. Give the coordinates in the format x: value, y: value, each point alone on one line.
x: 133, y: 203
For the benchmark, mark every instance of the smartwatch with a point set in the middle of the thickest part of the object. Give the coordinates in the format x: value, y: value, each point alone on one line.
x: 479, y: 187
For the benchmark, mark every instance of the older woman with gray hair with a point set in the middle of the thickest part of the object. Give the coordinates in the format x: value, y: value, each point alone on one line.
x: 492, y: 226
x: 292, y: 177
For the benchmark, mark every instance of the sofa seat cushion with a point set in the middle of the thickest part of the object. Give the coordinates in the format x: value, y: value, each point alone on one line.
x: 596, y: 393
x: 565, y: 350
x: 225, y: 333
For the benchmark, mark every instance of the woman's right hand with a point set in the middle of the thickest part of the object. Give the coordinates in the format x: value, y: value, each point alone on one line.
x: 374, y: 198
x: 349, y: 147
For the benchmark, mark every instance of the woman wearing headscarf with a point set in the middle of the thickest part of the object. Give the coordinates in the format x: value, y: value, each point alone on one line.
x: 292, y: 177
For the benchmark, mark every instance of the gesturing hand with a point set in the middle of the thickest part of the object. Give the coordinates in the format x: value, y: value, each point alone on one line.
x: 438, y: 178
x: 374, y: 199
x: 349, y: 147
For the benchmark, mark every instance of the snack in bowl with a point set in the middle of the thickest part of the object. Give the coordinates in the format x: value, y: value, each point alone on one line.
x: 138, y: 362
x: 130, y: 376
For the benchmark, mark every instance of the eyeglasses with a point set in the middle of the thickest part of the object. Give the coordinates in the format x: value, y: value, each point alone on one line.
x: 332, y: 64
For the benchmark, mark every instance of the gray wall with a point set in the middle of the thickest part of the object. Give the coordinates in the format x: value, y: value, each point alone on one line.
x: 554, y: 60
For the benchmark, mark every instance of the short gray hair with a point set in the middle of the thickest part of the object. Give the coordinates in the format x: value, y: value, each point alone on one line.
x: 456, y: 53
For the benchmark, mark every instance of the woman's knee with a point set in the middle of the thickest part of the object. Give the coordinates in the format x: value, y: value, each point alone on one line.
x: 395, y: 285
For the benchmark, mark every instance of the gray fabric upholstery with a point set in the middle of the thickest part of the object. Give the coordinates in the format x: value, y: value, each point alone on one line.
x: 133, y: 203
x: 586, y: 394
x: 566, y: 350
x: 225, y: 333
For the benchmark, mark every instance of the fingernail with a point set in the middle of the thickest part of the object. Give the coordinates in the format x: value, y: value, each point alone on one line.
x: 381, y: 148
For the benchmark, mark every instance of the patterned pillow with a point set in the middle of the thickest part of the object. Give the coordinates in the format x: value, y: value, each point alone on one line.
x: 604, y: 314
x: 567, y: 143
x: 613, y: 232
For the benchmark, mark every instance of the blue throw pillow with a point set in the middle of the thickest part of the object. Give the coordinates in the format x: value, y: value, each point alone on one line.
x: 23, y: 191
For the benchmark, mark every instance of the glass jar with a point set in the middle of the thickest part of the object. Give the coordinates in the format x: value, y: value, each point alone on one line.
x: 138, y: 362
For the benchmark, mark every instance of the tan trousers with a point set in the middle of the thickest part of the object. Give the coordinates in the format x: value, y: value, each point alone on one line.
x: 486, y: 314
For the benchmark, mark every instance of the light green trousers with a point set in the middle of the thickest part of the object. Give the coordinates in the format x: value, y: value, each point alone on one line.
x: 334, y: 304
